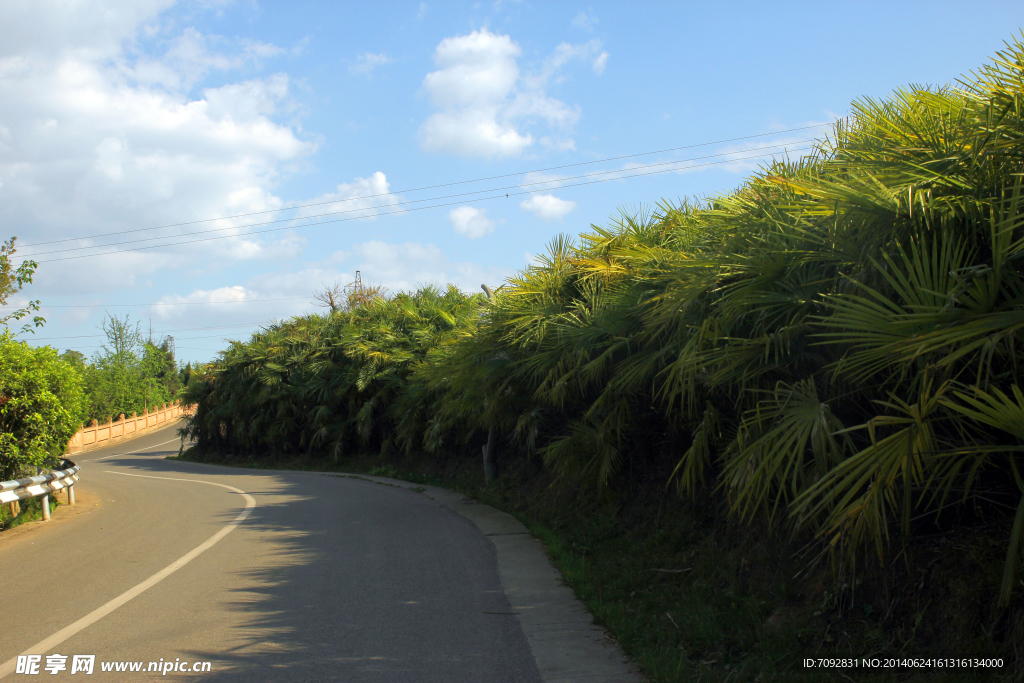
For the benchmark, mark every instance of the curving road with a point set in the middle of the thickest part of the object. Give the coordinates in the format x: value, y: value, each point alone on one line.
x: 269, y: 576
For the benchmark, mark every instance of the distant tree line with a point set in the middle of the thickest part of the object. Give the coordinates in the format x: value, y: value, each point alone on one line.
x: 45, y: 397
x: 128, y: 373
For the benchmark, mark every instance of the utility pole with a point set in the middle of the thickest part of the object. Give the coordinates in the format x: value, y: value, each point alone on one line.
x: 353, y: 290
x: 356, y: 285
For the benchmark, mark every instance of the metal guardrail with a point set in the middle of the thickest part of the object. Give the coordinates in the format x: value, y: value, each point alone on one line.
x: 43, y: 485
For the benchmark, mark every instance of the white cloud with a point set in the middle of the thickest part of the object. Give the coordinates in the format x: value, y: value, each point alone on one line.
x: 599, y: 63
x: 177, y: 308
x: 406, y: 266
x: 367, y: 62
x: 485, y: 105
x: 476, y: 69
x: 584, y: 21
x: 563, y: 54
x: 249, y: 249
x: 234, y: 304
x: 472, y: 132
x: 190, y: 58
x: 471, y: 222
x: 558, y: 145
x: 547, y: 207
x: 49, y: 28
x: 284, y: 293
x: 247, y: 100
x: 359, y: 199
x: 221, y: 294
x: 97, y: 137
x: 299, y: 48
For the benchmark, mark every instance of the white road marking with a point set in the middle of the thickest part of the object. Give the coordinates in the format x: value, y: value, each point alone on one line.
x: 46, y: 646
x: 135, y: 451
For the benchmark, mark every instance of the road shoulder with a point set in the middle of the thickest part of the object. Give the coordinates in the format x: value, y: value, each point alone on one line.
x: 63, y: 514
x: 566, y: 644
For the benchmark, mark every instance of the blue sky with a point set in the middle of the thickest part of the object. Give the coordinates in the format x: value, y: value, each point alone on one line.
x: 117, y: 117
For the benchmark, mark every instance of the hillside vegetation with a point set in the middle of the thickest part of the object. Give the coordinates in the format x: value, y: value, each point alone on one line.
x: 836, y: 346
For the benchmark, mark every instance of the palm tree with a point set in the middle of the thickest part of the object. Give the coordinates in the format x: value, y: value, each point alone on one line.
x: 838, y: 341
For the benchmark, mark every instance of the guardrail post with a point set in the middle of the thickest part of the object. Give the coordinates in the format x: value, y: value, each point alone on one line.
x: 11, y: 492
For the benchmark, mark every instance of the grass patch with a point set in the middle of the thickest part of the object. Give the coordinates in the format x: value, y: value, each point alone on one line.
x: 693, y: 596
x: 31, y: 510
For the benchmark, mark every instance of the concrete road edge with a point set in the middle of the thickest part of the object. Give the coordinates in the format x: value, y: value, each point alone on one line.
x: 566, y: 645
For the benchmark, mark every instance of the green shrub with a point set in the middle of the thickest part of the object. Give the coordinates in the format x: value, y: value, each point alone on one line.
x: 41, y: 406
x: 330, y: 384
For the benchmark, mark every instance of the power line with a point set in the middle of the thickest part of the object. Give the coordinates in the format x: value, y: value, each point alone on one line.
x: 431, y: 187
x: 165, y: 303
x: 97, y: 346
x: 622, y: 175
x: 420, y: 201
x: 205, y: 336
x: 176, y: 329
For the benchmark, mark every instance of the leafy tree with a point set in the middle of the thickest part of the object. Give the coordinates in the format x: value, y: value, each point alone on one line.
x: 11, y: 282
x: 41, y: 406
x: 184, y: 375
x: 159, y: 374
x: 75, y: 358
x: 114, y: 379
x: 129, y: 374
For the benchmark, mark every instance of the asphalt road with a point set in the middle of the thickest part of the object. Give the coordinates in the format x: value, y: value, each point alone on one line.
x: 299, y: 577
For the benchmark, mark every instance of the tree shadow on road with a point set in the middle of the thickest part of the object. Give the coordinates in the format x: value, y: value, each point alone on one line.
x: 335, y: 578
